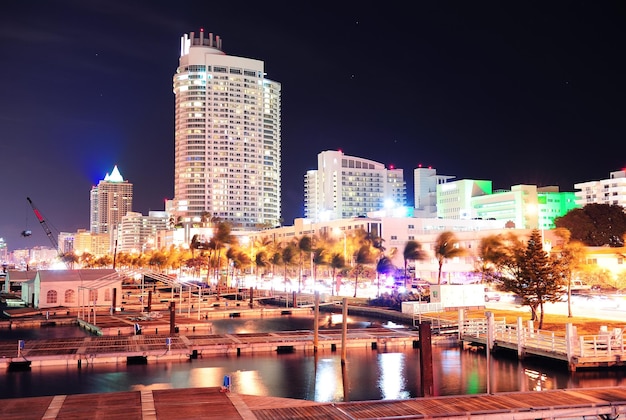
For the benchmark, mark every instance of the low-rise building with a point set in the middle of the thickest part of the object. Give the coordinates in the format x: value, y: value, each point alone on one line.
x: 71, y: 288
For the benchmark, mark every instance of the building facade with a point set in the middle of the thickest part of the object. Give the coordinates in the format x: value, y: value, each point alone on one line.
x: 138, y: 233
x: 454, y: 199
x: 425, y: 181
x: 96, y: 244
x: 227, y: 137
x: 606, y: 191
x: 552, y: 203
x: 346, y: 186
x: 111, y: 199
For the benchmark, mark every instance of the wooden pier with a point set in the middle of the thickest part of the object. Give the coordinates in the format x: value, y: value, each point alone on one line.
x: 211, y: 403
x: 154, y: 347
x: 606, y: 349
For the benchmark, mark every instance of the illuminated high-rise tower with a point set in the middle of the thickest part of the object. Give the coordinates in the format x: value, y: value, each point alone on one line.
x: 111, y: 199
x: 227, y: 138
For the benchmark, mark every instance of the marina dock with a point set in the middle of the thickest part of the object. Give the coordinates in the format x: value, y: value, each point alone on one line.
x: 212, y: 403
x: 604, y: 350
x: 114, y: 340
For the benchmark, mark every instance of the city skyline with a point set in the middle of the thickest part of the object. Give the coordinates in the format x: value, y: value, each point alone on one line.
x: 518, y: 94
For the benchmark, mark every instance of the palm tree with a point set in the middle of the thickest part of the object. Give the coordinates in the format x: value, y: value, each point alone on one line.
x: 337, y: 261
x: 87, y: 259
x: 287, y: 256
x: 363, y: 257
x: 412, y: 252
x: 239, y: 260
x: 491, y: 253
x: 447, y: 247
x: 320, y: 257
x: 221, y: 238
x: 304, y: 245
x: 70, y: 258
x: 384, y: 266
x: 275, y: 259
x: 261, y: 260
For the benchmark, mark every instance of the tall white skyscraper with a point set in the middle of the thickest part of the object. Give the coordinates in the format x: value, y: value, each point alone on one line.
x: 346, y: 186
x: 227, y: 139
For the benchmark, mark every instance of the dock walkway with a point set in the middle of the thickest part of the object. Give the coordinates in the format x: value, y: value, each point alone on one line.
x: 211, y: 403
x: 606, y: 349
x: 153, y: 347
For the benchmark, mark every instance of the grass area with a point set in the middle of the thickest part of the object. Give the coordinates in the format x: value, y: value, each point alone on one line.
x: 551, y: 322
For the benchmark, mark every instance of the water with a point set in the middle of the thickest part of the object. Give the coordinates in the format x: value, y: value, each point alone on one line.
x: 60, y: 331
x: 367, y: 375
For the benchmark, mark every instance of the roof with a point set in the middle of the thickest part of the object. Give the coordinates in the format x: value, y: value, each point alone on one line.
x: 15, y: 275
x: 76, y: 275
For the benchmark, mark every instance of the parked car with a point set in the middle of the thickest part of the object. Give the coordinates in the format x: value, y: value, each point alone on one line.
x: 491, y: 295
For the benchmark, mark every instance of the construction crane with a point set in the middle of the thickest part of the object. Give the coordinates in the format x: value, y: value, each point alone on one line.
x: 44, y: 225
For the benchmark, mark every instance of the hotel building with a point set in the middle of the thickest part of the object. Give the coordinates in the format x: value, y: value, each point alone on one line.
x: 346, y: 186
x: 606, y: 191
x: 227, y: 137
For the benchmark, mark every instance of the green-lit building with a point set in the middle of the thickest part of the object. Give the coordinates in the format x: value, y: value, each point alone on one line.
x: 522, y: 207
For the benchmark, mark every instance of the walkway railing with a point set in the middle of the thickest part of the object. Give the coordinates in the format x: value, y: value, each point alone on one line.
x: 607, y: 347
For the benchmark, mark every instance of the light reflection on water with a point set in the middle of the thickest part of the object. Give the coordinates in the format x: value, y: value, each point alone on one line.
x: 367, y: 375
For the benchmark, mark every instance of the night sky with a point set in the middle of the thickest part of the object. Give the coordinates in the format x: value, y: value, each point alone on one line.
x: 514, y: 92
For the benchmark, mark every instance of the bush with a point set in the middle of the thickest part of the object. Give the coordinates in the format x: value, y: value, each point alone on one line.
x: 394, y: 299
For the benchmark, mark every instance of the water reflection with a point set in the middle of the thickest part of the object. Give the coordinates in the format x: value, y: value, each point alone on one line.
x: 392, y: 373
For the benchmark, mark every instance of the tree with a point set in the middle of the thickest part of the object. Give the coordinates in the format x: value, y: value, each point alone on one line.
x: 275, y: 259
x: 337, y: 262
x: 287, y: 256
x: 492, y: 252
x: 412, y: 252
x: 595, y: 224
x: 103, y: 261
x: 221, y: 238
x: 70, y: 258
x: 384, y: 266
x: 239, y: 260
x: 533, y: 276
x: 158, y: 259
x: 320, y: 257
x: 498, y: 256
x: 363, y: 257
x: 261, y: 260
x: 87, y: 259
x: 570, y: 255
x: 447, y: 247
x: 197, y: 242
x: 304, y: 245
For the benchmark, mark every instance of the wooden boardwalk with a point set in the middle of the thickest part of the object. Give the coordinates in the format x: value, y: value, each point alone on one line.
x: 152, y: 347
x: 606, y: 349
x: 211, y: 403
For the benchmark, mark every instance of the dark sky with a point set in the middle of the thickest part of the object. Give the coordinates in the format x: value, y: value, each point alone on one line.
x: 515, y: 92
